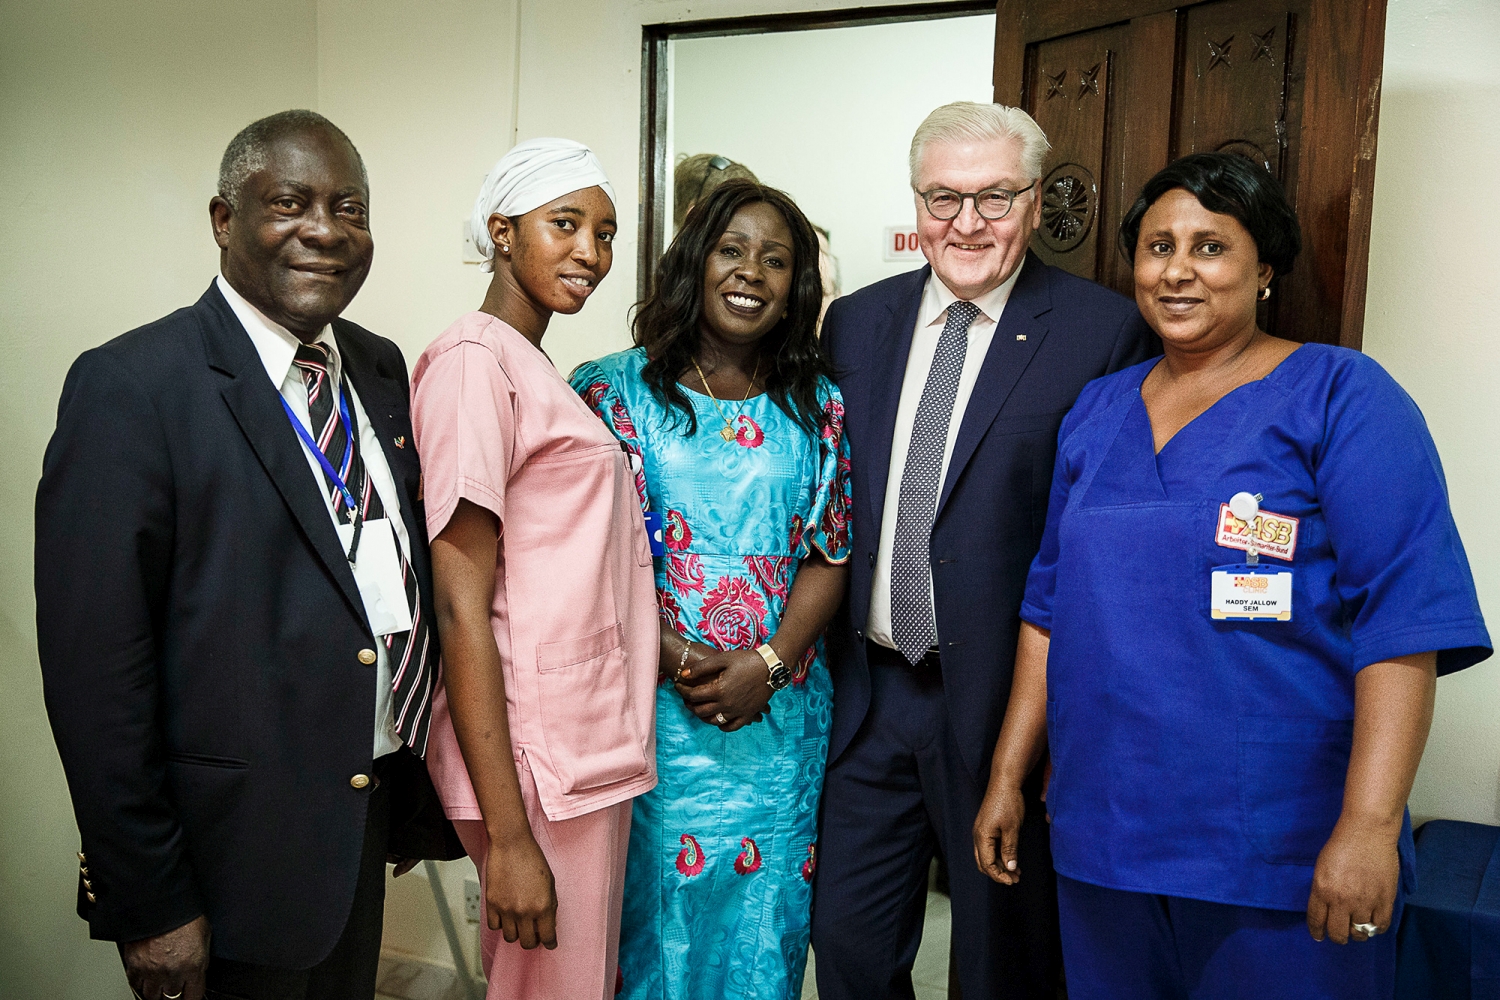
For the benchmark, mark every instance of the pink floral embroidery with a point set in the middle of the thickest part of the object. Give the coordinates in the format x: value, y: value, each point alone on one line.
x: 620, y: 417
x: 796, y: 531
x: 749, y: 434
x: 690, y: 858
x: 749, y: 859
x: 685, y: 572
x: 836, y: 521
x: 733, y: 614
x: 834, y: 427
x: 771, y: 573
x: 670, y: 610
x: 594, y: 394
x: 811, y: 864
x: 677, y: 535
x: 799, y: 672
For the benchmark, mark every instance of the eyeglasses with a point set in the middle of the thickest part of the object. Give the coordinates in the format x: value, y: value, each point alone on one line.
x: 992, y: 203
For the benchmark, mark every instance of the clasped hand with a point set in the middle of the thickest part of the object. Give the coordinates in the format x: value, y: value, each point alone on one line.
x: 729, y: 682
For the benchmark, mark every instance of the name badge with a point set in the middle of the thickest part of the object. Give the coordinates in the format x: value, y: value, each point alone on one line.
x: 377, y: 572
x: 1275, y: 534
x: 1250, y: 593
x: 654, y: 524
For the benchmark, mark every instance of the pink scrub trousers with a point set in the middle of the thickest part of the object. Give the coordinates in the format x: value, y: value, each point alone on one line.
x: 587, y: 858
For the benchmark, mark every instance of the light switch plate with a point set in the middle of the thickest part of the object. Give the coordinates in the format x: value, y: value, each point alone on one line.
x: 472, y: 907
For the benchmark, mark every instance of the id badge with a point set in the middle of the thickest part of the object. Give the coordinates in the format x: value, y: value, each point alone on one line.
x: 653, y: 532
x: 1250, y: 593
x: 377, y: 572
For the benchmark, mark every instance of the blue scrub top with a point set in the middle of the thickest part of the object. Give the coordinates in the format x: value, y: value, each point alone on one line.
x: 1202, y: 758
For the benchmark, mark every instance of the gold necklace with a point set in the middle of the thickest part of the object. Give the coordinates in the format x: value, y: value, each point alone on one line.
x: 728, y: 432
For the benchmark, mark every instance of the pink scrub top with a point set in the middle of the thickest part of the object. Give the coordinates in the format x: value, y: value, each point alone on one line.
x: 575, y: 603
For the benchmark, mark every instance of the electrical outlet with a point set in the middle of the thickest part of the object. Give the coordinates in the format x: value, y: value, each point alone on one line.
x: 472, y: 907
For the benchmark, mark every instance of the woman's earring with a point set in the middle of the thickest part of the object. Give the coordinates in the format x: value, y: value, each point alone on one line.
x: 1265, y: 293
x: 505, y: 248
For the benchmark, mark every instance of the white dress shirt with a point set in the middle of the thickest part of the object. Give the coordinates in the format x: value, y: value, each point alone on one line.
x: 931, y: 316
x: 277, y: 347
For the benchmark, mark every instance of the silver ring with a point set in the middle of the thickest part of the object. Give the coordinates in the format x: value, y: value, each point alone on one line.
x: 1369, y: 930
x: 720, y: 719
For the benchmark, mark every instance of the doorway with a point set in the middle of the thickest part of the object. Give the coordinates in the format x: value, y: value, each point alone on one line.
x: 820, y: 105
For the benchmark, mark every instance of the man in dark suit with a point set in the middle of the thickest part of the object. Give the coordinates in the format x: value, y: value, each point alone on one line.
x: 955, y: 380
x: 233, y: 604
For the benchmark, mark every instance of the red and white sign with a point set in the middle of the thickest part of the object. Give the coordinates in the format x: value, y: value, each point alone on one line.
x: 901, y: 244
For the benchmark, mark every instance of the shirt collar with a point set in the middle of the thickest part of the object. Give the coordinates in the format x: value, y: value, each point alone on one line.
x: 937, y: 297
x: 275, y: 344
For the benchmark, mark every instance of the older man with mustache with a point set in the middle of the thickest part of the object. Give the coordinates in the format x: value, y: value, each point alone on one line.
x: 233, y: 603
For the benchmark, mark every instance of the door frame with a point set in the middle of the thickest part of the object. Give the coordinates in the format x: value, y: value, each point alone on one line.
x: 655, y: 172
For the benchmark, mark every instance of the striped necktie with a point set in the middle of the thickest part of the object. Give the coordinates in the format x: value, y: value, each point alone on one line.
x: 412, y: 673
x: 912, y: 623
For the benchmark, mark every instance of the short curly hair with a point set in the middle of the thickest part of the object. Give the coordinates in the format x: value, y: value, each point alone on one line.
x: 1229, y: 185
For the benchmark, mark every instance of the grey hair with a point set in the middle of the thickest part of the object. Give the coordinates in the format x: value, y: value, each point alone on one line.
x: 981, y: 122
x: 249, y: 151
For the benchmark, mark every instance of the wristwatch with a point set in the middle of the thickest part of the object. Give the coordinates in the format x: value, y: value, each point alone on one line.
x: 781, y: 674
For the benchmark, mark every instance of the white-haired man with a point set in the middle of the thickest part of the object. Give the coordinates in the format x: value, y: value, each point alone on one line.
x: 955, y: 380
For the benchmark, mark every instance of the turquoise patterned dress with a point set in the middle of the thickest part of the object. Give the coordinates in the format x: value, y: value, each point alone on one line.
x: 722, y: 851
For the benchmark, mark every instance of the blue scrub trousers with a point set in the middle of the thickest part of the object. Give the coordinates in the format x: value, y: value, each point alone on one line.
x: 1140, y: 946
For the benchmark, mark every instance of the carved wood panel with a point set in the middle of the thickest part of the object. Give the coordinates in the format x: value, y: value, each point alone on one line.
x: 1072, y: 107
x: 1175, y: 78
x: 1240, y: 87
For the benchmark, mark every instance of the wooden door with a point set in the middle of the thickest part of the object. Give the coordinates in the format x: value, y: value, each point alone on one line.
x: 1123, y: 87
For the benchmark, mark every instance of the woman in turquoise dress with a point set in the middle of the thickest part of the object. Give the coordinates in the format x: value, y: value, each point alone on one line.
x: 737, y: 435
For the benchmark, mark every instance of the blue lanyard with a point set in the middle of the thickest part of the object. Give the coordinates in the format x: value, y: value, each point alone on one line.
x: 312, y: 446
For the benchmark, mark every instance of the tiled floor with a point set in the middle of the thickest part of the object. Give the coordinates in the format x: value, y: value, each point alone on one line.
x: 930, y: 973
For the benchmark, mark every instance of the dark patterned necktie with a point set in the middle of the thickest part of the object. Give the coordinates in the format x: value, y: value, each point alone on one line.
x: 912, y: 624
x: 412, y: 674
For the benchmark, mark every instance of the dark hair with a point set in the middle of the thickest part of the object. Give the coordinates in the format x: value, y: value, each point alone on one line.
x: 248, y: 151
x: 1229, y: 185
x: 666, y: 324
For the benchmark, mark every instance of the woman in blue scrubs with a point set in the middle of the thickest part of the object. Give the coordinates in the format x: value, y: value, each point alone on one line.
x: 1249, y: 581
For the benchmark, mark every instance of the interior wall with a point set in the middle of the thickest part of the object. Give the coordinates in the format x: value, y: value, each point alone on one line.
x: 1431, y: 320
x: 112, y: 120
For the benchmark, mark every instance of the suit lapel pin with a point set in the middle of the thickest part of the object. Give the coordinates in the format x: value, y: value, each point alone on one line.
x: 1020, y: 336
x: 401, y: 441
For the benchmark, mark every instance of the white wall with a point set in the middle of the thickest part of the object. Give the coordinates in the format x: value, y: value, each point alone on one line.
x: 828, y: 117
x: 112, y: 120
x: 1432, y: 314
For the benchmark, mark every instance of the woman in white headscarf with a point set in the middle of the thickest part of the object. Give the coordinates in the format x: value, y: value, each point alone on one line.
x: 543, y: 589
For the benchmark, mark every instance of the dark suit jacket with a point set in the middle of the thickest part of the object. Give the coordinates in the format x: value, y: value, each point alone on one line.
x: 993, y: 503
x: 200, y: 630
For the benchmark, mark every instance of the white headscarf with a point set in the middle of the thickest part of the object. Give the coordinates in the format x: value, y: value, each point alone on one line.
x: 529, y: 176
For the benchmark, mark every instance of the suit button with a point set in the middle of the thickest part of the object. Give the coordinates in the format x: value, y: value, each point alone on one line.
x: 359, y: 780
x: 859, y: 634
x: 82, y: 859
x: 367, y: 656
x: 871, y: 557
x: 92, y: 897
x: 87, y: 884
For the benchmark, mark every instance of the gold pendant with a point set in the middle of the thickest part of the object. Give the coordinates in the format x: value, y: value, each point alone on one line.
x: 727, y: 434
